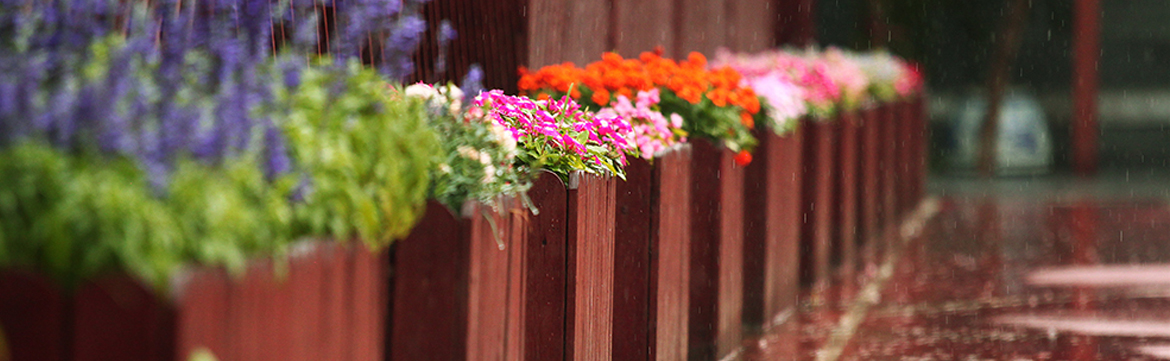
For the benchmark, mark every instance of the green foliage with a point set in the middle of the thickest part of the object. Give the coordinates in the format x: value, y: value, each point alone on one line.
x: 718, y: 124
x: 367, y: 156
x: 75, y: 216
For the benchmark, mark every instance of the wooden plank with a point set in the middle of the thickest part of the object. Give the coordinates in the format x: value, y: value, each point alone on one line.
x: 546, y: 32
x: 782, y: 285
x: 589, y: 304
x: 430, y: 275
x: 307, y: 302
x: 367, y: 320
x: 700, y: 25
x: 334, y: 338
x: 670, y: 255
x: 642, y: 25
x: 1086, y: 50
x: 119, y: 318
x: 795, y: 24
x: 845, y: 241
x: 757, y: 199
x: 820, y: 155
x: 716, y: 292
x: 487, y: 295
x: 201, y: 303
x: 870, y: 178
x: 632, y: 247
x: 888, y: 164
x: 750, y: 25
x: 587, y: 31
x: 543, y: 272
x: 34, y: 316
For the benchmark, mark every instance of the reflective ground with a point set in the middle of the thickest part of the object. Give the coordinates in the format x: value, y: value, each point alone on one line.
x: 1023, y: 269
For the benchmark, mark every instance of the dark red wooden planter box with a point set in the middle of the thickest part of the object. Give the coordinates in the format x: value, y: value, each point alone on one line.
x: 449, y: 284
x: 716, y: 292
x: 651, y: 253
x: 845, y: 212
x: 548, y: 297
x: 820, y: 168
x: 887, y: 165
x: 869, y: 203
x: 772, y: 222
x: 327, y: 306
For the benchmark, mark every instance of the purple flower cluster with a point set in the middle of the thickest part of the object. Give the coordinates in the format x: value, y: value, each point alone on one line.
x: 173, y: 79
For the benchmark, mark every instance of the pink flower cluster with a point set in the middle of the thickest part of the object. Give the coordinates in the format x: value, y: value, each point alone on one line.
x: 847, y: 74
x: 652, y: 132
x: 910, y: 80
x: 560, y: 124
x: 792, y: 85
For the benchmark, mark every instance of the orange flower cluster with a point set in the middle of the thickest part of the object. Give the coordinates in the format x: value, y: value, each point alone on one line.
x: 613, y: 75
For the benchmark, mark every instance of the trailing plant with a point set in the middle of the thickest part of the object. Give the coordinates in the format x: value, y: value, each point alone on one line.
x: 478, y: 159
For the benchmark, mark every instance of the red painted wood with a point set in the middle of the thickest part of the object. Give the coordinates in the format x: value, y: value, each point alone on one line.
x: 716, y: 293
x: 589, y: 304
x: 772, y: 222
x: 848, y: 152
x: 430, y: 275
x: 306, y: 307
x: 543, y: 273
x: 119, y: 318
x: 870, y: 178
x: 642, y: 25
x: 1086, y: 51
x: 700, y: 25
x: 587, y: 29
x: 921, y: 147
x: 632, y: 246
x: 34, y: 316
x: 201, y: 303
x: 905, y: 154
x: 670, y: 255
x: 820, y: 154
x: 367, y: 321
x: 491, y: 34
x: 488, y: 280
x: 546, y: 32
x: 750, y: 25
x: 887, y: 165
x: 334, y: 338
x: 795, y: 24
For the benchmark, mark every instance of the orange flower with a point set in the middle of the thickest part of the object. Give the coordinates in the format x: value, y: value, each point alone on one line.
x: 601, y: 97
x: 747, y: 120
x: 719, y: 97
x: 542, y: 96
x: 697, y: 59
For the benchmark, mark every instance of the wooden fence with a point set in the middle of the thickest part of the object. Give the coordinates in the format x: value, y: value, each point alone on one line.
x: 690, y: 257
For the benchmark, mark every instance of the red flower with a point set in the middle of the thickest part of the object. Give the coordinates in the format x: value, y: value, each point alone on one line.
x: 743, y: 158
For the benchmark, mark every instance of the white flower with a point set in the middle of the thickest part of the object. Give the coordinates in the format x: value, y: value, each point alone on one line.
x: 489, y: 174
x: 468, y: 152
x: 444, y: 168
x: 485, y: 158
x: 421, y: 91
x: 504, y: 138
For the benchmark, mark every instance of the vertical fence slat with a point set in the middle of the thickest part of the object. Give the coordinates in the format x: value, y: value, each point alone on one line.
x: 430, y: 273
x: 544, y: 272
x: 201, y: 306
x: 888, y: 165
x: 366, y: 319
x: 589, y: 304
x: 772, y: 222
x: 306, y: 308
x: 632, y: 247
x: 701, y: 27
x: 670, y: 255
x: 820, y: 155
x: 488, y: 281
x: 870, y: 178
x: 642, y: 25
x: 546, y: 32
x: 750, y: 25
x: 716, y: 293
x: 34, y: 315
x: 845, y: 241
x: 335, y: 281
x: 118, y: 318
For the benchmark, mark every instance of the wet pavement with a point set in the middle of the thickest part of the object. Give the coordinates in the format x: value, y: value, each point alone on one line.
x: 1048, y: 270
